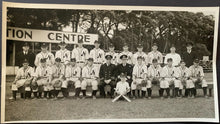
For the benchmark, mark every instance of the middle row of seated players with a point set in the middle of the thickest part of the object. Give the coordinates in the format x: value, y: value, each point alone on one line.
x: 52, y: 79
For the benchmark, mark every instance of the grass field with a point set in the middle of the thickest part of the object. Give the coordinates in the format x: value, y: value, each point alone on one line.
x: 101, y: 108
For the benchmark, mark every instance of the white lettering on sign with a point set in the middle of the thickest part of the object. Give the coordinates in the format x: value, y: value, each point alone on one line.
x: 22, y: 34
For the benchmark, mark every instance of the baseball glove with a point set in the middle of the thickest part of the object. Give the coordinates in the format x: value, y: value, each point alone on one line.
x: 57, y: 84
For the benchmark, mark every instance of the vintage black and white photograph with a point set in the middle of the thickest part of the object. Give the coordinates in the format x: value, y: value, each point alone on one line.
x: 80, y: 63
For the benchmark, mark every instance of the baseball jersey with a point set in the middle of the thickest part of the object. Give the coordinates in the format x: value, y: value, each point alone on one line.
x: 155, y: 55
x: 64, y: 55
x: 24, y: 74
x: 90, y: 72
x: 140, y: 71
x: 114, y: 59
x: 183, y: 72
x: 168, y: 72
x: 81, y: 54
x: 43, y: 71
x: 122, y: 86
x: 196, y: 71
x: 48, y: 56
x: 154, y: 71
x: 176, y: 58
x: 98, y: 55
x: 72, y: 71
x: 57, y: 71
x: 144, y: 55
x: 130, y: 57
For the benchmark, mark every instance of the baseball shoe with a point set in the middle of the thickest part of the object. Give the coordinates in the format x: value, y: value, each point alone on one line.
x: 149, y: 97
x: 193, y: 97
x: 93, y: 97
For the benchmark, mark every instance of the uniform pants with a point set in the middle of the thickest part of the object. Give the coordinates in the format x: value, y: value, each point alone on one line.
x: 76, y: 83
x: 89, y: 82
x: 203, y: 84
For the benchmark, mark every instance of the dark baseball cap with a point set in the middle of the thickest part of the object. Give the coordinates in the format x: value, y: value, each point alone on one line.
x: 189, y: 43
x: 97, y: 42
x: 73, y: 60
x: 57, y: 60
x: 108, y: 57
x: 90, y: 59
x: 154, y: 60
x: 44, y: 45
x: 154, y: 44
x: 62, y: 43
x: 123, y: 57
x: 25, y: 61
x: 140, y: 57
x: 26, y: 44
x: 169, y: 60
x: 196, y: 61
x: 43, y: 60
x: 111, y: 45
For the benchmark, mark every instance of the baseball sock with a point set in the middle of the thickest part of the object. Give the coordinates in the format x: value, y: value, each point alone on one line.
x: 84, y: 92
x: 192, y: 91
x: 143, y: 93
x: 50, y: 94
x: 195, y: 91
x: 176, y: 92
x: 149, y: 92
x: 35, y: 94
x: 187, y: 92
x: 63, y: 90
x: 204, y: 91
x: 22, y: 95
x: 45, y: 94
x: 57, y: 92
x: 40, y: 95
x: 138, y: 92
x: 14, y: 93
x: 133, y: 92
x: 168, y: 91
x: 180, y: 92
x: 94, y: 92
x: 77, y: 92
x: 161, y: 92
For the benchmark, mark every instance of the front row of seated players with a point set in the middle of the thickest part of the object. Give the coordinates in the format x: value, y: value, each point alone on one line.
x: 53, y: 79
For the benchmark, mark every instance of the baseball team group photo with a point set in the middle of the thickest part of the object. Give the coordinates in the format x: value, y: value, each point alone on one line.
x: 66, y: 64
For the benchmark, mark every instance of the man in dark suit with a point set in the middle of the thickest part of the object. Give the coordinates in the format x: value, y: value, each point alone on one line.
x: 125, y: 68
x: 188, y: 57
x: 25, y: 54
x: 107, y: 76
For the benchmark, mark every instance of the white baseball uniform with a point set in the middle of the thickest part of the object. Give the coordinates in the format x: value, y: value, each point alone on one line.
x: 90, y: 75
x: 184, y: 75
x: 139, y: 75
x: 23, y: 77
x: 154, y: 74
x: 169, y: 74
x: 99, y: 57
x: 129, y: 54
x: 64, y: 55
x: 196, y: 73
x: 42, y: 77
x: 48, y: 56
x: 81, y: 55
x: 175, y: 57
x: 122, y: 88
x: 72, y: 74
x: 57, y: 74
x: 114, y: 59
x: 154, y: 55
x: 142, y: 54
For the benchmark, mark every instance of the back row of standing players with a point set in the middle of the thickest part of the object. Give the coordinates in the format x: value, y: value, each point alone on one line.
x: 134, y: 66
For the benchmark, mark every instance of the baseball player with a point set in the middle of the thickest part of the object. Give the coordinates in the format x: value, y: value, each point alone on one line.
x: 44, y: 54
x: 175, y: 56
x: 125, y: 68
x: 57, y: 77
x: 23, y: 79
x: 41, y: 80
x: 63, y: 53
x: 90, y: 75
x: 107, y: 76
x: 154, y: 72
x: 98, y: 55
x: 169, y: 79
x: 114, y: 55
x: 155, y: 54
x: 72, y: 75
x: 127, y: 53
x: 185, y: 80
x: 197, y: 76
x: 139, y: 77
x: 140, y: 53
x: 81, y: 54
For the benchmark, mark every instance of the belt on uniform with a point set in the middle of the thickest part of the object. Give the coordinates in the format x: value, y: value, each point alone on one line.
x: 97, y: 63
x: 139, y: 78
x: 80, y: 62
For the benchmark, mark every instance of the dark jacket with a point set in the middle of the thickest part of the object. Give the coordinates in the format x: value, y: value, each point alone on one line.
x: 107, y: 72
x: 189, y: 58
x: 127, y: 69
x: 19, y: 58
